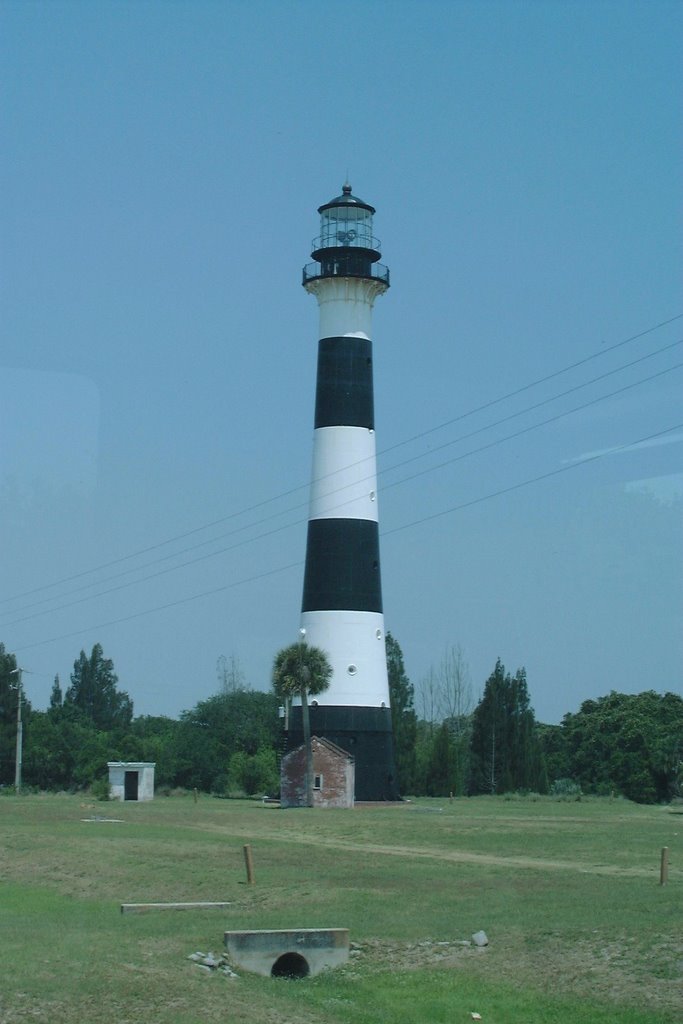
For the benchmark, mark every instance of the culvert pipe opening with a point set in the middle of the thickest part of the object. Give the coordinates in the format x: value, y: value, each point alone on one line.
x: 290, y: 965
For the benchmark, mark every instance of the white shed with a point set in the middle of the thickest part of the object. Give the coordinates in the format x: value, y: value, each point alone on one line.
x: 131, y: 780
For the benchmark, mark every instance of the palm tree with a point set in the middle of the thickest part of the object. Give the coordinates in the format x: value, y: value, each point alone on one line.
x: 300, y: 670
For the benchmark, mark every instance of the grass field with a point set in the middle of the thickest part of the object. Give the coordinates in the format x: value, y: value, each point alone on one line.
x: 568, y: 893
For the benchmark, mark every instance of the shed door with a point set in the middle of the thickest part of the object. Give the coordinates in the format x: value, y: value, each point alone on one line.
x: 130, y: 786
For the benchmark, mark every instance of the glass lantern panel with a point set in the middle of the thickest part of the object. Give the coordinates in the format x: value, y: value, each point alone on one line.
x: 364, y: 229
x: 346, y: 226
x: 328, y: 228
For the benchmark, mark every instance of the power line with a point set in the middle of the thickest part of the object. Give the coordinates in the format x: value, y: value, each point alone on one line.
x: 294, y: 490
x: 162, y: 607
x: 262, y: 536
x: 536, y: 383
x: 554, y: 398
x: 533, y: 426
x: 276, y: 515
x: 533, y: 480
x: 406, y: 526
x: 276, y: 529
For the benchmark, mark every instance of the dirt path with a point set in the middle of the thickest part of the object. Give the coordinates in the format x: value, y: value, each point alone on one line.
x: 449, y: 856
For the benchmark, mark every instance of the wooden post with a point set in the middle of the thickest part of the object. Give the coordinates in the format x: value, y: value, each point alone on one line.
x: 249, y: 862
x: 664, y: 866
x: 195, y: 794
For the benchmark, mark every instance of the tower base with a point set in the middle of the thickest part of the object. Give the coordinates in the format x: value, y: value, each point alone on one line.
x: 366, y: 734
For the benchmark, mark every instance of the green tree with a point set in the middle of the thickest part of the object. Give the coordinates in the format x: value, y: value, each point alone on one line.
x: 253, y: 773
x: 301, y: 670
x: 505, y: 750
x: 9, y: 697
x: 445, y: 697
x: 210, y: 733
x: 403, y: 717
x: 631, y: 744
x: 442, y: 767
x: 555, y: 753
x: 56, y: 695
x: 94, y: 692
x: 155, y: 738
x: 64, y: 750
x: 455, y: 702
x: 46, y: 761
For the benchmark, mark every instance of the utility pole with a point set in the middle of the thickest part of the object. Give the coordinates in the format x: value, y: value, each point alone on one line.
x: 20, y: 734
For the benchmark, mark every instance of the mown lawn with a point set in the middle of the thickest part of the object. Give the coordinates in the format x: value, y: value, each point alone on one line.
x: 568, y: 893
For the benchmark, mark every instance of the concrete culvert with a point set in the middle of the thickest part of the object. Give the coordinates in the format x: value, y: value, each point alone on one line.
x: 289, y: 952
x: 290, y: 965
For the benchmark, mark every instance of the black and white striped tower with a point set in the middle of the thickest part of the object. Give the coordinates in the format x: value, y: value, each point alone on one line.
x: 342, y: 598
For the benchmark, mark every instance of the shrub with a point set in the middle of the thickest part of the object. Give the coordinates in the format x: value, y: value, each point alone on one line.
x: 100, y: 789
x: 565, y: 789
x: 252, y: 774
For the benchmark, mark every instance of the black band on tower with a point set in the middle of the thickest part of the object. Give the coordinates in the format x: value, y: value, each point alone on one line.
x: 365, y: 733
x: 344, y: 395
x: 342, y: 566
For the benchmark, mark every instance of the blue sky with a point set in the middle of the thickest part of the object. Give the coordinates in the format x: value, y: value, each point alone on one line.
x: 161, y: 170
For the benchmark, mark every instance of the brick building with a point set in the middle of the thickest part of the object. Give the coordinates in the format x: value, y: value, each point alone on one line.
x: 333, y: 776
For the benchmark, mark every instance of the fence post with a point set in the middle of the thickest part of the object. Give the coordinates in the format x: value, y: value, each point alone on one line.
x: 249, y: 862
x: 664, y: 866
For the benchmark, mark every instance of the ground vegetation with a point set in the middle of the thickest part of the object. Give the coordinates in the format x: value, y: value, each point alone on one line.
x: 628, y: 745
x: 579, y: 927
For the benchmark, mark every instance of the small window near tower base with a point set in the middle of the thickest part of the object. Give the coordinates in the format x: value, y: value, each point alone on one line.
x: 317, y: 782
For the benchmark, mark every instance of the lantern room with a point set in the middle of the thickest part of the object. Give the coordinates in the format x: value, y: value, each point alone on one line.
x: 346, y: 246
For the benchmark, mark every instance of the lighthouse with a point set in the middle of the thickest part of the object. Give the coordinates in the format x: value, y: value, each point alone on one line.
x: 342, y: 593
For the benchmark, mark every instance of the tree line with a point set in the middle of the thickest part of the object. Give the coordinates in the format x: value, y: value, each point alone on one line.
x: 445, y: 742
x: 628, y: 745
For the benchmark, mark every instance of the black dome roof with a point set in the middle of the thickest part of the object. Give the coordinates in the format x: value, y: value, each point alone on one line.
x: 346, y: 199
